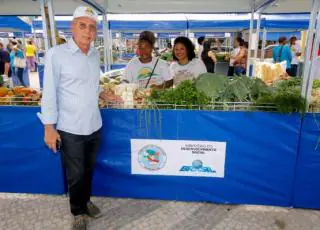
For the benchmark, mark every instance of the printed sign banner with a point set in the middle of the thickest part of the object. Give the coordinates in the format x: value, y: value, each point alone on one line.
x: 178, y: 158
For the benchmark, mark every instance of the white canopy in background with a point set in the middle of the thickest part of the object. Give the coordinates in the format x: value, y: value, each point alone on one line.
x: 66, y: 7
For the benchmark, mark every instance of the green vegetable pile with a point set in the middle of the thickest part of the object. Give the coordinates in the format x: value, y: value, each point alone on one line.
x: 185, y: 95
x: 316, y: 84
x: 1, y: 80
x: 286, y: 95
x: 239, y: 89
x: 210, y: 90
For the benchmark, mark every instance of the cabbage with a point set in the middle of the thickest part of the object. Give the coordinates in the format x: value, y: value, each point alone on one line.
x: 211, y: 84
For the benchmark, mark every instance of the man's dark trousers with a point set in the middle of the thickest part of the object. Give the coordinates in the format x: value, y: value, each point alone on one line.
x: 79, y: 158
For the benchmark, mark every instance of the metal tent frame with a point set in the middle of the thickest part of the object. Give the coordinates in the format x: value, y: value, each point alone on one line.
x: 255, y: 7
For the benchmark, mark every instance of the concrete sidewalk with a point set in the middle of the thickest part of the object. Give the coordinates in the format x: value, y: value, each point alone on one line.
x: 40, y: 212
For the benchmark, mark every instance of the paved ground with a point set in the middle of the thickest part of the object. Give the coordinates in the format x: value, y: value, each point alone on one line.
x: 39, y: 212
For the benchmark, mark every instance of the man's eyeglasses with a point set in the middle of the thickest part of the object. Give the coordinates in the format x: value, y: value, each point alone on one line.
x: 84, y: 26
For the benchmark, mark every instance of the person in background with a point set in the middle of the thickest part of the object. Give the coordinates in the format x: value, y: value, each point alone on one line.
x: 12, y: 71
x: 12, y: 41
x: 17, y: 53
x: 296, y: 53
x: 10, y: 46
x: 187, y: 66
x: 208, y: 57
x: 4, y: 61
x: 200, y: 43
x: 168, y: 48
x: 156, y: 52
x: 145, y: 70
x: 20, y: 45
x: 240, y: 62
x: 233, y: 56
x: 70, y: 111
x: 31, y: 55
x: 281, y: 53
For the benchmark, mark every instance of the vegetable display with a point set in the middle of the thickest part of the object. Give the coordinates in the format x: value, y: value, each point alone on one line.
x: 19, y: 96
x: 117, y: 95
x: 209, y: 89
x: 185, y: 94
x: 207, y: 92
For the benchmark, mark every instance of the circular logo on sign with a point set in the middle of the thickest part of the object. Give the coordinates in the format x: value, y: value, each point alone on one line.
x: 197, y: 164
x: 152, y: 157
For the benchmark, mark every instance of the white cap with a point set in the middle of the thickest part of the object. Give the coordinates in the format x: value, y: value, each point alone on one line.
x: 84, y: 11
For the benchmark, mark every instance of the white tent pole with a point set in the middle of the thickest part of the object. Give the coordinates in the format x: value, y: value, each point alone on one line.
x: 52, y: 23
x: 313, y: 59
x: 110, y: 48
x: 307, y: 54
x: 264, y: 40
x: 250, y: 37
x: 105, y: 43
x: 258, y: 36
x: 44, y: 25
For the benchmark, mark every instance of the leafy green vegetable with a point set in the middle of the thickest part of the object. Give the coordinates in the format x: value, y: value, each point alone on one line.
x: 316, y: 84
x: 238, y: 89
x: 259, y: 88
x: 211, y: 84
x: 285, y: 84
x: 1, y: 80
x: 185, y: 94
x: 283, y: 95
x: 286, y: 95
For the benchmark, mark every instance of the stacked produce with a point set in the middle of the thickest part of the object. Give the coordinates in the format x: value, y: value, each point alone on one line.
x: 19, y: 96
x: 270, y: 72
x: 116, y: 95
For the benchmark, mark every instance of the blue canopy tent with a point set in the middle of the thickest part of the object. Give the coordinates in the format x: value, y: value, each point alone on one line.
x: 13, y: 24
x: 284, y: 25
x: 274, y: 36
x: 129, y: 27
x: 287, y: 25
x: 64, y: 25
x: 214, y: 25
x: 116, y: 25
x: 287, y: 21
x: 222, y: 26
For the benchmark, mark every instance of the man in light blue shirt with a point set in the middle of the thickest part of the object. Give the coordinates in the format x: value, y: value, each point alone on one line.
x: 70, y: 110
